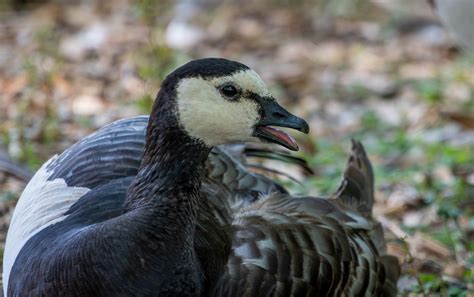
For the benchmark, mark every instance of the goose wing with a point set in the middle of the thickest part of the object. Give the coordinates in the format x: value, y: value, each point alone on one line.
x: 287, y: 246
x: 112, y: 152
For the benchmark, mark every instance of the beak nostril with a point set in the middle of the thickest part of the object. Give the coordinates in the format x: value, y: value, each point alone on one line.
x: 278, y: 115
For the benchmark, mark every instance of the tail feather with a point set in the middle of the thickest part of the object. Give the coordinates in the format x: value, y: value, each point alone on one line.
x: 357, y: 187
x: 357, y: 192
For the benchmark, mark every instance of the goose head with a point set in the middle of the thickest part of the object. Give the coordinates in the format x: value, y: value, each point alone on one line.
x: 218, y: 101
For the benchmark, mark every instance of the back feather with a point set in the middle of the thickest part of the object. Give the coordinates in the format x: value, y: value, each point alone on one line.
x: 308, y: 246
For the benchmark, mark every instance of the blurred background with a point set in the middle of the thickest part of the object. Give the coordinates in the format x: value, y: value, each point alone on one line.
x: 386, y: 72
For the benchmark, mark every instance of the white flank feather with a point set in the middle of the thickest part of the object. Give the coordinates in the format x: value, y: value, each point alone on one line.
x: 42, y: 203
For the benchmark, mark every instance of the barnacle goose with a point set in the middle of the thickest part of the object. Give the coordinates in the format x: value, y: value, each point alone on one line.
x: 165, y: 206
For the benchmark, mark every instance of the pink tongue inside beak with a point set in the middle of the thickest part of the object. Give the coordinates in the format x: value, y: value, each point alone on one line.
x: 284, y: 137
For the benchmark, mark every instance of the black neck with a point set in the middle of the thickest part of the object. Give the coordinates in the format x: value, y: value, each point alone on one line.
x: 162, y: 202
x: 168, y: 182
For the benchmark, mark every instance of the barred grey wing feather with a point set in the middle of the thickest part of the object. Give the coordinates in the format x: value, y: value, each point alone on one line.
x: 307, y: 246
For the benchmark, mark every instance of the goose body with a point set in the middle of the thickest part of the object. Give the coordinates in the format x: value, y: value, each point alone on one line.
x: 155, y: 206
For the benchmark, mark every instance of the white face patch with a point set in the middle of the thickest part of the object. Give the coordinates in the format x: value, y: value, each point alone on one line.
x: 205, y: 114
x: 42, y: 203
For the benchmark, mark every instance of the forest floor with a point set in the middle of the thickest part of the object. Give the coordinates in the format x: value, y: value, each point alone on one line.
x: 383, y: 72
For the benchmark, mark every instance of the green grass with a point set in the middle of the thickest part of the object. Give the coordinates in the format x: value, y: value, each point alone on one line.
x: 144, y: 103
x: 430, y: 90
x: 39, y: 70
x: 153, y: 12
x: 154, y: 62
x: 431, y: 283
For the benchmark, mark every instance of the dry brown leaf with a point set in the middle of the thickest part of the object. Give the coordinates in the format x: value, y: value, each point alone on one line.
x: 423, y: 246
x: 465, y: 120
x: 15, y: 85
x: 455, y: 270
x: 61, y: 86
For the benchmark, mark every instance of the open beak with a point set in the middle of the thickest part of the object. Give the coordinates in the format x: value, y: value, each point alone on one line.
x: 276, y: 116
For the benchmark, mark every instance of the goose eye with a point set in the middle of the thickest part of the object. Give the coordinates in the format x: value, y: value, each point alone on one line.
x: 230, y: 91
